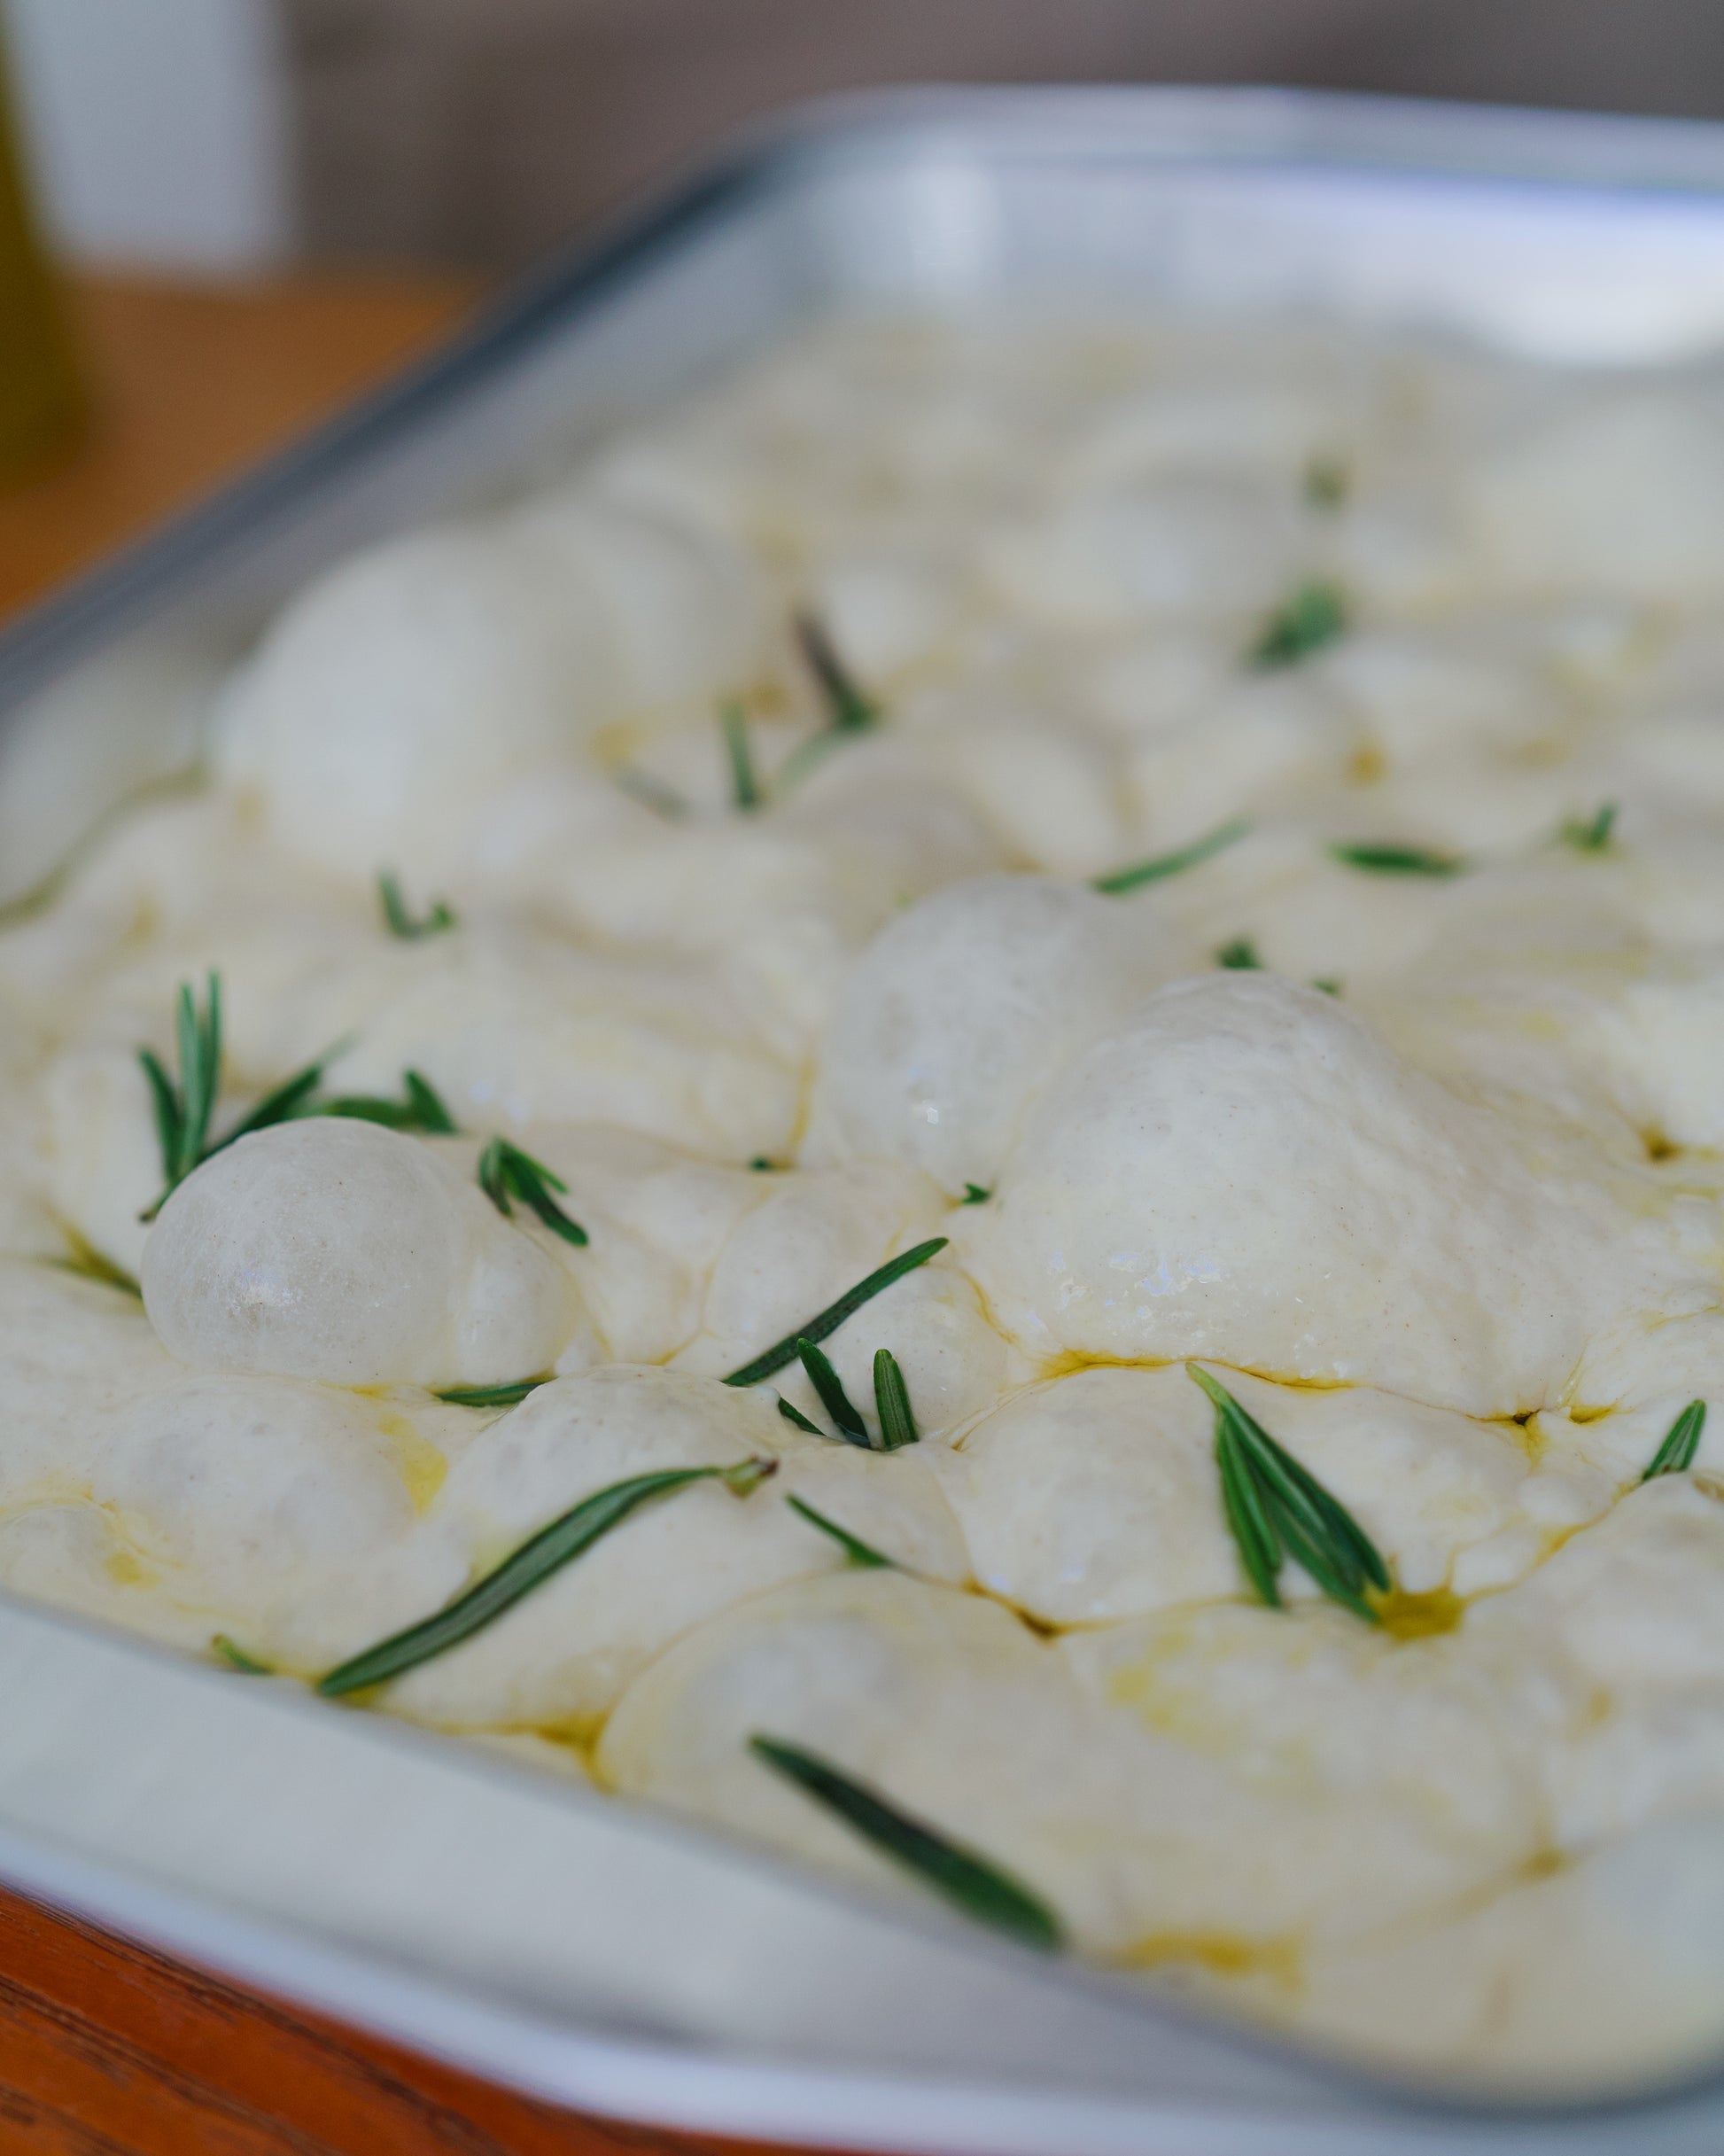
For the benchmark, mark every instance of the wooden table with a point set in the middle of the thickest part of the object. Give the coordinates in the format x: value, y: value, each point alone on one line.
x: 105, y: 2050
x: 190, y: 382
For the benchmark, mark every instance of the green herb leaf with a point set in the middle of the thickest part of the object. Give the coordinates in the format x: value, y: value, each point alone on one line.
x: 828, y: 1320
x: 1276, y: 1510
x: 1151, y: 871
x: 506, y: 1173
x: 237, y: 1658
x: 183, y: 1111
x: 88, y: 1265
x: 1389, y: 859
x: 761, y: 1165
x: 1681, y: 1441
x: 492, y: 1396
x: 289, y: 1100
x: 848, y: 710
x: 834, y: 1398
x: 1240, y: 956
x: 968, y: 1881
x: 567, y: 1538
x: 420, y: 1108
x: 898, y: 1423
x: 860, y: 1553
x: 1329, y: 987
x: 1594, y: 835
x: 428, y: 1105
x: 744, y: 789
x: 1327, y: 482
x: 974, y: 1194
x: 400, y: 923
x: 796, y: 1415
x: 1312, y: 617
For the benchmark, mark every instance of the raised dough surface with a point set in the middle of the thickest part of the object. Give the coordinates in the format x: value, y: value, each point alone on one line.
x: 1423, y: 1161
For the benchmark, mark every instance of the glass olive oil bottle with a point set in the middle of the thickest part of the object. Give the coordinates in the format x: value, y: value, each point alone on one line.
x: 41, y: 403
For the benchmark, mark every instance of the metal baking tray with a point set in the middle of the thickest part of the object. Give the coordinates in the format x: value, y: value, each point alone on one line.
x: 524, y: 1926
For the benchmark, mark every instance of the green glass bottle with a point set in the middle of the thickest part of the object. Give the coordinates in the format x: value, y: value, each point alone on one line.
x: 41, y: 405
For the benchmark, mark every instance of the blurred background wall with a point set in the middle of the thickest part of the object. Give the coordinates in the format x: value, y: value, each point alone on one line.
x: 236, y: 134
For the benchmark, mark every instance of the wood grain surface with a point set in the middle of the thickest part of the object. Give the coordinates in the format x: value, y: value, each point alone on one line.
x: 106, y: 2050
x: 189, y: 382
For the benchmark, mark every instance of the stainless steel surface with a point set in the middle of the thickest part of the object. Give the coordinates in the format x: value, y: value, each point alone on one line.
x: 538, y: 1933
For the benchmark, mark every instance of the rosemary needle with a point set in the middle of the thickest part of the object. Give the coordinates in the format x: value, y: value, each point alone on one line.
x: 1675, y: 1455
x: 1239, y: 956
x: 823, y: 1326
x: 1384, y: 859
x: 182, y: 1110
x: 974, y: 1194
x: 1276, y: 1510
x: 1592, y: 835
x: 85, y: 1264
x: 567, y: 1538
x: 400, y: 923
x: 830, y: 1387
x: 898, y: 1423
x: 796, y: 1415
x: 1311, y: 617
x: 744, y: 790
x: 237, y: 1658
x: 860, y: 1554
x: 959, y: 1876
x: 421, y: 1108
x: 848, y: 710
x: 1160, y: 865
x: 510, y: 1395
x: 506, y: 1173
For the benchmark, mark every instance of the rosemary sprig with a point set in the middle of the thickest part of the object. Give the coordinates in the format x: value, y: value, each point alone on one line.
x: 510, y: 1395
x: 898, y: 1423
x: 744, y: 790
x: 796, y: 1415
x: 506, y: 1173
x: 974, y: 1194
x: 1681, y: 1441
x: 400, y: 923
x: 860, y: 1554
x: 1160, y: 865
x: 421, y: 1108
x: 848, y: 710
x: 1276, y: 1510
x: 959, y: 1876
x: 567, y: 1538
x: 290, y: 1099
x: 1239, y: 956
x: 823, y: 1326
x: 237, y: 1658
x: 183, y: 1110
x: 1386, y: 859
x: 1311, y: 617
x: 1592, y: 835
x: 830, y: 1388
